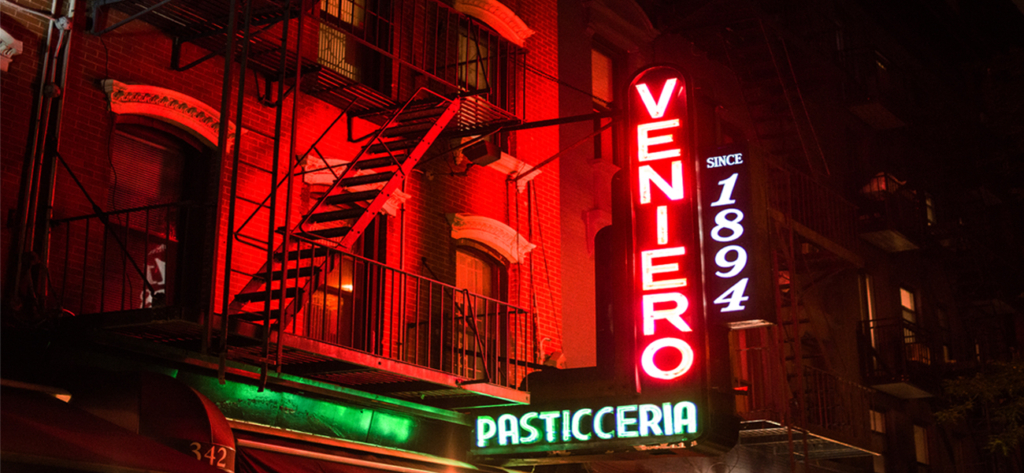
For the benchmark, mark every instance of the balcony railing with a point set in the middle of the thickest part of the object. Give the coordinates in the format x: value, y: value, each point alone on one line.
x: 397, y: 46
x: 813, y: 206
x: 899, y: 350
x: 835, y: 410
x: 892, y: 216
x: 361, y: 304
x: 122, y: 260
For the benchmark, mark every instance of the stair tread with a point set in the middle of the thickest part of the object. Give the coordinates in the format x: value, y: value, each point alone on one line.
x: 380, y: 162
x: 304, y: 253
x: 261, y: 295
x: 292, y: 273
x: 367, y: 179
x: 335, y: 215
x: 350, y: 197
x: 394, y: 145
x: 327, y: 233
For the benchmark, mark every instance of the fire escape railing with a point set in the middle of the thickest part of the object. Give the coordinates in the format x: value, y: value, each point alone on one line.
x: 358, y: 303
x: 833, y: 407
x: 898, y: 349
x: 397, y: 46
x: 813, y: 205
x: 98, y: 261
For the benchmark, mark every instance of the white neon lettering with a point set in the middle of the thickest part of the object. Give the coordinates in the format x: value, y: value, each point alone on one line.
x: 685, y: 359
x: 728, y: 184
x: 598, y: 419
x: 549, y: 424
x: 576, y: 418
x: 566, y: 426
x: 673, y: 191
x: 657, y: 110
x: 651, y: 314
x: 644, y: 141
x: 622, y: 423
x: 625, y: 421
x: 662, y: 224
x: 685, y: 417
x: 486, y: 429
x: 533, y: 434
x: 649, y: 269
x: 666, y: 415
x: 650, y: 416
x: 508, y: 430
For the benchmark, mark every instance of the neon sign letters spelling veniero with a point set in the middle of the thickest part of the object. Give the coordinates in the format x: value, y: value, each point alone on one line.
x: 666, y: 253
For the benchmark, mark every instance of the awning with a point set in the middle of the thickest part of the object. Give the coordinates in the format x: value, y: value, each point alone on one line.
x: 38, y: 429
x: 268, y: 454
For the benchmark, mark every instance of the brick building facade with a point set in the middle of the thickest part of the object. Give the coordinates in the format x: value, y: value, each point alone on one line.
x: 397, y: 224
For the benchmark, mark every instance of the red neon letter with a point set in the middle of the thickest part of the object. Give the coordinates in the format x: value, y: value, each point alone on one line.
x: 672, y: 315
x: 685, y: 358
x: 649, y: 269
x: 647, y: 176
x: 644, y: 141
x: 656, y: 110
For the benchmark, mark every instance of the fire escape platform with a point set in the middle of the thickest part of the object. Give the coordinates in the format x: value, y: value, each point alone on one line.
x: 774, y: 437
x: 312, y: 359
x: 818, y: 239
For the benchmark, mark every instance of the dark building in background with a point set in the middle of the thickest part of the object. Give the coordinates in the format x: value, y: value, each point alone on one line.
x: 396, y: 224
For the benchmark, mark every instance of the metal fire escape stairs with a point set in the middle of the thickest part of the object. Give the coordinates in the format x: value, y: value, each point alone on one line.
x: 768, y: 82
x: 339, y: 217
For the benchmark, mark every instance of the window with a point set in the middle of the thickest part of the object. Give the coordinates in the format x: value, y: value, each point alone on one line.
x: 152, y: 173
x: 929, y: 210
x: 909, y: 305
x: 603, y: 90
x: 921, y: 444
x: 484, y: 277
x: 476, y: 272
x: 474, y: 63
x: 335, y: 50
x: 877, y: 421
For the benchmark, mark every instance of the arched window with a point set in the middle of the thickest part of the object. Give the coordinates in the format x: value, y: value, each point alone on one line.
x: 156, y: 176
x: 479, y: 272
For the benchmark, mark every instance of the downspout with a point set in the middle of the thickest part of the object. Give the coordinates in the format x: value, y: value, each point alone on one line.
x: 32, y: 167
x: 53, y: 144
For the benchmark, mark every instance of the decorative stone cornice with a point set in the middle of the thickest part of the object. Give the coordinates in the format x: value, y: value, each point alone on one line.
x: 496, y: 235
x: 183, y: 111
x: 497, y: 16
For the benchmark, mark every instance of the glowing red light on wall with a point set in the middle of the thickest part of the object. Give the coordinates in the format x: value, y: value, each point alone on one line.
x: 666, y: 249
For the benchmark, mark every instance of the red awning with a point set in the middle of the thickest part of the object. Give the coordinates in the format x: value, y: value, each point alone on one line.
x: 39, y: 429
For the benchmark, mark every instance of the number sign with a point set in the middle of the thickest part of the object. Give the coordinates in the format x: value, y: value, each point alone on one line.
x: 726, y: 196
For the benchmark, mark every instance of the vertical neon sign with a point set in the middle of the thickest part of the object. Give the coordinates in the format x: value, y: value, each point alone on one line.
x: 666, y: 250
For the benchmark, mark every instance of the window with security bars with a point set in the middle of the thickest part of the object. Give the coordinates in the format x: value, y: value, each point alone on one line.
x: 474, y: 61
x: 337, y: 51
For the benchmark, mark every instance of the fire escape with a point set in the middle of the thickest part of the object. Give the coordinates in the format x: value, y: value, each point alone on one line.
x: 798, y: 406
x: 413, y: 73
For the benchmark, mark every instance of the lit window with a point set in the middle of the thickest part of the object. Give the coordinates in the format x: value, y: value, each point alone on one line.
x: 603, y: 90
x: 921, y: 444
x: 482, y: 276
x: 601, y: 77
x: 877, y: 421
x: 335, y: 49
x: 474, y: 59
x: 929, y: 210
x: 909, y: 305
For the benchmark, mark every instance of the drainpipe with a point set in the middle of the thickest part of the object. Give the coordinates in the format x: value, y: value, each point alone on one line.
x: 31, y: 171
x: 53, y: 145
